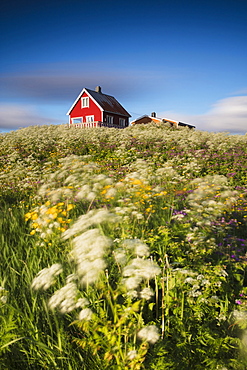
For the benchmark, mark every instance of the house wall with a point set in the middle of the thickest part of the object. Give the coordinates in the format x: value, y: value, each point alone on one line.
x: 93, y: 109
x: 115, y: 118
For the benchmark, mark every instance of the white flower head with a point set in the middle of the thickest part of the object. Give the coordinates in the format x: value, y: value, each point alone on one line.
x: 46, y: 277
x: 146, y: 293
x: 149, y: 334
x: 85, y: 314
x: 64, y: 299
x: 146, y: 269
x: 93, y: 217
x: 137, y: 246
x: 142, y: 250
x: 3, y: 299
x: 120, y: 256
x: 132, y: 354
x: 132, y: 294
x: 132, y: 282
x: 82, y: 302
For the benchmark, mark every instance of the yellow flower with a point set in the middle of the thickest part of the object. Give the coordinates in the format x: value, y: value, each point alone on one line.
x: 70, y: 206
x: 28, y: 216
x: 136, y: 182
x: 52, y: 210
x: 34, y: 216
x: 32, y: 232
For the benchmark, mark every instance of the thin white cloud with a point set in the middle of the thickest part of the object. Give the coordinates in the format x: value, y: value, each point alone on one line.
x: 240, y: 92
x: 228, y: 115
x: 14, y: 116
x: 59, y: 82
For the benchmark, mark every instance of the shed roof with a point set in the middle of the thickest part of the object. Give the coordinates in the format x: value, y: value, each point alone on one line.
x: 161, y: 120
x: 106, y: 102
x: 154, y: 119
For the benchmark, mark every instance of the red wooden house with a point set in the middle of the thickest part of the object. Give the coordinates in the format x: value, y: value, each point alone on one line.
x: 92, y: 108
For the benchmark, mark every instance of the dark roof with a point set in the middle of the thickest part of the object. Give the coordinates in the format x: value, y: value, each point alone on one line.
x: 186, y: 125
x: 108, y: 103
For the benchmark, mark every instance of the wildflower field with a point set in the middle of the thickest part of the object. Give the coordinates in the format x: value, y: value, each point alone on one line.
x: 123, y: 249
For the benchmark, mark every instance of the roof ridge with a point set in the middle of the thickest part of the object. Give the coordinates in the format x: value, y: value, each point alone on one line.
x: 99, y: 92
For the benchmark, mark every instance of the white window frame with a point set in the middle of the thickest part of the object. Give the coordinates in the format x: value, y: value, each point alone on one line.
x: 90, y: 121
x: 85, y: 102
x: 77, y: 118
x: 122, y: 122
x: 109, y: 120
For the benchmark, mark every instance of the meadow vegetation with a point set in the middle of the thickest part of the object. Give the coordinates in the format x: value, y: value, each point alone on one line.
x: 123, y: 249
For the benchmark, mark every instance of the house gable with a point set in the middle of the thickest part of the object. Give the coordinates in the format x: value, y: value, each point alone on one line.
x: 78, y: 111
x: 93, y: 106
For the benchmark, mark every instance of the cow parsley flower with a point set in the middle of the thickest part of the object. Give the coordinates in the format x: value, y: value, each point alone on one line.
x: 46, y: 277
x: 137, y: 246
x: 132, y: 354
x: 120, y: 256
x: 149, y: 334
x: 132, y: 282
x: 85, y: 314
x: 93, y: 217
x: 146, y: 293
x: 82, y: 302
x: 64, y: 299
x: 3, y: 297
x: 146, y: 269
x: 87, y: 254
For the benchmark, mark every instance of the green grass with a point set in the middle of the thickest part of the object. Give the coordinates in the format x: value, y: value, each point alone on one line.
x: 181, y: 193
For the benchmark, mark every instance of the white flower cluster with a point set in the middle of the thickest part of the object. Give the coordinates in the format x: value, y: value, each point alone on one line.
x: 93, y: 217
x: 138, y: 270
x: 64, y: 299
x: 3, y: 296
x: 86, y: 314
x: 137, y: 247
x: 129, y: 248
x: 77, y: 178
x: 149, y: 334
x: 210, y: 199
x: 46, y: 277
x: 132, y: 354
x: 87, y: 254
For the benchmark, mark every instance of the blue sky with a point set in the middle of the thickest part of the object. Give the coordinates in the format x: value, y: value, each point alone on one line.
x: 185, y: 60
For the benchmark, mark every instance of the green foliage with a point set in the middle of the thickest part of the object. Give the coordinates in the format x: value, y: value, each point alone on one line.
x: 180, y: 196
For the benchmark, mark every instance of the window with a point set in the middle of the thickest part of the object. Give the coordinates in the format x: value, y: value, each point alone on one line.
x: 89, y: 119
x: 84, y: 102
x: 122, y: 122
x: 109, y: 119
x: 76, y: 120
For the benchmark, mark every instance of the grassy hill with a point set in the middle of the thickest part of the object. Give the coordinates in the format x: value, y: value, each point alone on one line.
x: 123, y: 249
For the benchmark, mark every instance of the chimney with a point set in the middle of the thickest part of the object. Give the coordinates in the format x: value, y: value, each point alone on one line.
x: 98, y: 89
x: 153, y: 114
